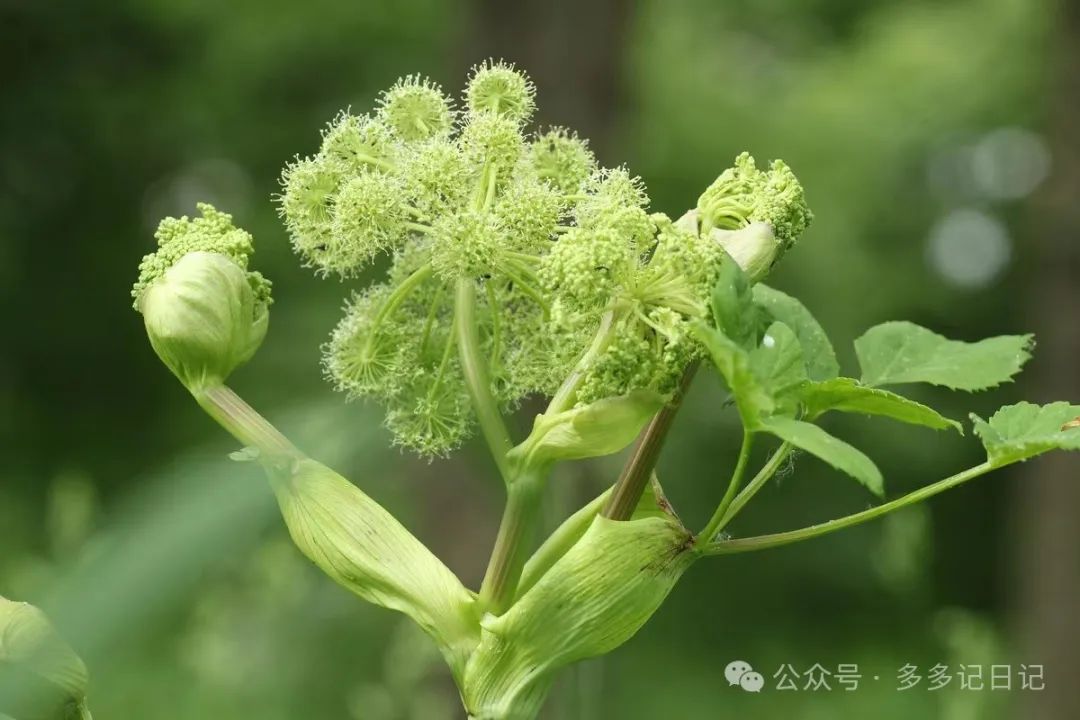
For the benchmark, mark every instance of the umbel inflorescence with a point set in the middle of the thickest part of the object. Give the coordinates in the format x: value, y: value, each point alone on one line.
x: 554, y: 244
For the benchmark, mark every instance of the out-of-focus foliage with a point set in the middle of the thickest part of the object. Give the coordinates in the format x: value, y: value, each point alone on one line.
x: 174, y: 580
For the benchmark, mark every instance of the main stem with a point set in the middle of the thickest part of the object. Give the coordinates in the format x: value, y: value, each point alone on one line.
x: 512, y: 543
x: 786, y: 538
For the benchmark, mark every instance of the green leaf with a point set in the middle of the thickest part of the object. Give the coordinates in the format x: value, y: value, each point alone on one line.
x: 902, y: 352
x: 733, y: 362
x: 778, y: 361
x: 818, y: 352
x: 733, y: 308
x: 600, y: 428
x: 1021, y: 431
x: 848, y: 395
x: 824, y: 446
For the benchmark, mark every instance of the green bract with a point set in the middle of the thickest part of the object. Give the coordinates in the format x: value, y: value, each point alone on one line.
x: 361, y: 546
x: 205, y: 313
x: 592, y: 600
x: 39, y: 672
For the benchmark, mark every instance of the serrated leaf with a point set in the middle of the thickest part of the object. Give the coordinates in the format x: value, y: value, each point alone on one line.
x: 818, y: 353
x: 733, y: 308
x: 848, y: 395
x: 733, y: 362
x: 1022, y: 431
x: 828, y: 448
x: 902, y: 352
x: 778, y: 361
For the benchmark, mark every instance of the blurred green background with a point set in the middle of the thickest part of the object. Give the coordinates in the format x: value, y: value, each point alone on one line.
x: 940, y: 147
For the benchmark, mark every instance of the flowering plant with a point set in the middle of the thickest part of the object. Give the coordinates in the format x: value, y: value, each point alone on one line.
x: 520, y: 268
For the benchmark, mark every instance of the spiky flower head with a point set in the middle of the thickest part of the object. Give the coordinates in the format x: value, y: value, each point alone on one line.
x: 561, y: 158
x: 205, y: 313
x: 368, y: 208
x: 498, y: 87
x: 416, y: 109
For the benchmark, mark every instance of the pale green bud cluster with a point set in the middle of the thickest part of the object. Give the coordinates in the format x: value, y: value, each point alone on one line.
x: 214, y: 232
x: 205, y: 313
x: 744, y: 194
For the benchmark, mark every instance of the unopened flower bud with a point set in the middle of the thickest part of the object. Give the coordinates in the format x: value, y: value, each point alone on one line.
x: 204, y: 319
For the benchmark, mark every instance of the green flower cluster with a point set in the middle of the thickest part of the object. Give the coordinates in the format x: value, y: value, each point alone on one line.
x: 449, y: 195
x: 551, y: 242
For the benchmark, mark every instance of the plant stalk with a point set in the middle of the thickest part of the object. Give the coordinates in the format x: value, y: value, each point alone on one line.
x: 474, y: 368
x: 763, y: 542
x: 717, y: 519
x: 243, y: 422
x: 767, y: 471
x: 512, y: 544
x: 639, y: 467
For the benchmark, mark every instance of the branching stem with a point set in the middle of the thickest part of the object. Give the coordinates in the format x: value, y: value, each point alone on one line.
x: 564, y: 398
x: 513, y: 542
x: 763, y: 542
x: 767, y: 471
x: 717, y: 519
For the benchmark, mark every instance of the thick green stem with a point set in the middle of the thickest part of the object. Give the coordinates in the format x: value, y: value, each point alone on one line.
x: 513, y: 542
x: 763, y: 542
x: 243, y: 422
x: 717, y: 519
x: 635, y: 474
x: 474, y: 368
